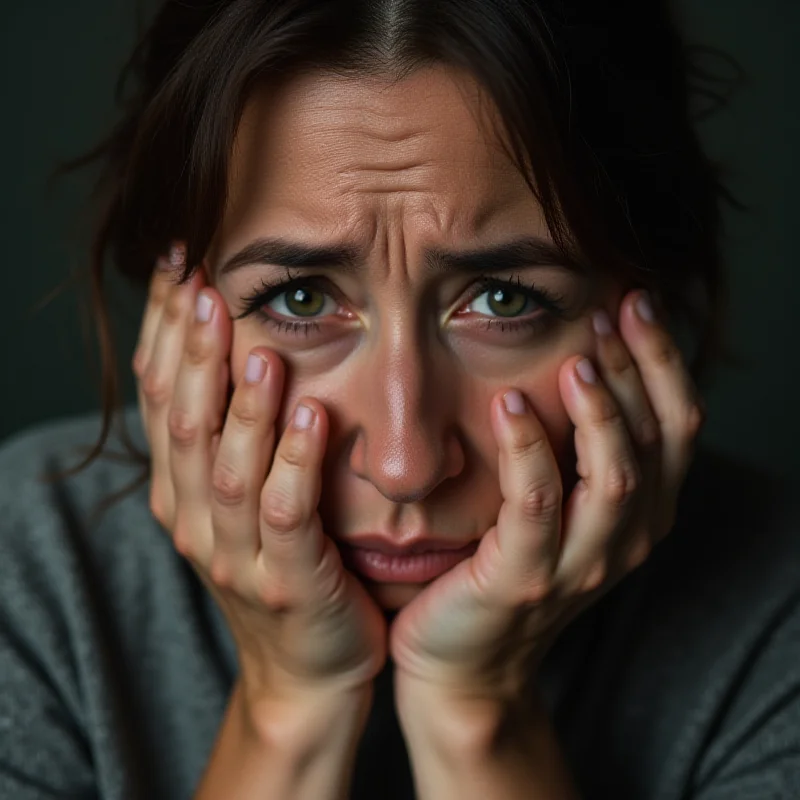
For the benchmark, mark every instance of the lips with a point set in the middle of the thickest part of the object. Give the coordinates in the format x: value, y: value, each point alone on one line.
x: 380, y: 560
x: 419, y: 544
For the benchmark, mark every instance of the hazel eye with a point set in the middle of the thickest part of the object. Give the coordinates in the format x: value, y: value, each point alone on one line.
x: 302, y: 301
x: 500, y: 301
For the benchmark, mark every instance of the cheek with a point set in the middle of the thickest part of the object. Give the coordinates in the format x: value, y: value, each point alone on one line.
x: 299, y: 379
x: 548, y: 406
x: 242, y: 342
x: 539, y: 385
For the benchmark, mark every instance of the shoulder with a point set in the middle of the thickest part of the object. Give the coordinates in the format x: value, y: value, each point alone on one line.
x: 693, y: 660
x: 37, y: 465
x: 727, y: 602
x: 737, y: 532
x: 62, y: 528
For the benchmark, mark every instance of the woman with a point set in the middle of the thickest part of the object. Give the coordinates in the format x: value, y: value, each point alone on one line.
x: 418, y: 520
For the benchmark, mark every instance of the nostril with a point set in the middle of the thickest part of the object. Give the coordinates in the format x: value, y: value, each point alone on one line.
x: 405, y: 497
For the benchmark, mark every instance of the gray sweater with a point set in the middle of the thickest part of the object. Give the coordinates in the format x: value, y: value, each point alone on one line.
x: 116, y: 665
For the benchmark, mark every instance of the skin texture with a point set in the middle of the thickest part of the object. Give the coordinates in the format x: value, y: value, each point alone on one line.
x: 402, y: 362
x: 407, y: 371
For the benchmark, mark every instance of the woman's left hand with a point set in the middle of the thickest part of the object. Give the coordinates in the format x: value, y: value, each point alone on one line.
x: 482, y: 628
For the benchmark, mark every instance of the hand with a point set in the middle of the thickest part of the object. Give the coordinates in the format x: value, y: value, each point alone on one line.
x: 482, y: 628
x: 301, y: 623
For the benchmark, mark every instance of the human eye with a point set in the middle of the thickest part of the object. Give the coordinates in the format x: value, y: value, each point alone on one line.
x: 511, y: 305
x: 290, y: 305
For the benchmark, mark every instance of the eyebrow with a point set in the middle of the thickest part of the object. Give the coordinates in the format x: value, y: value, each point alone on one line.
x: 518, y: 253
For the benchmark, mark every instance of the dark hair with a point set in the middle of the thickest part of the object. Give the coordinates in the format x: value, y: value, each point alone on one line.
x: 596, y: 97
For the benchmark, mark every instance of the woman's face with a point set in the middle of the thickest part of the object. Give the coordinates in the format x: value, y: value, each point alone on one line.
x: 403, y: 344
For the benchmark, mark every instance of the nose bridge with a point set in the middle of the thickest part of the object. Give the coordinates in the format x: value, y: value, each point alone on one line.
x: 405, y: 420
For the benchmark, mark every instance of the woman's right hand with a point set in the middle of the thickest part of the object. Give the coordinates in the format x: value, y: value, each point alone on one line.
x: 241, y: 506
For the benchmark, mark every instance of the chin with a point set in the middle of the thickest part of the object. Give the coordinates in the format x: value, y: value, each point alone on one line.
x: 393, y: 596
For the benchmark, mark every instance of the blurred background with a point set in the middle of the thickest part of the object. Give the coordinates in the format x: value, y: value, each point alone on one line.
x: 58, y: 66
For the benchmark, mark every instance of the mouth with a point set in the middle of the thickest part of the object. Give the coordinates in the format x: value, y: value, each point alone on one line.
x: 421, y: 561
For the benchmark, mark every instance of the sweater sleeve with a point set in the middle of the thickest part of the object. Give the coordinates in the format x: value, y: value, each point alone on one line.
x: 112, y: 679
x: 43, y: 751
x: 755, y: 752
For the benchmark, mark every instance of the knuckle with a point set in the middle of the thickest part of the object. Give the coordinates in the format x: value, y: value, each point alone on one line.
x: 138, y: 363
x: 596, y: 576
x: 174, y: 307
x: 293, y: 452
x: 526, y: 444
x: 160, y: 289
x: 648, y: 432
x: 184, y: 431
x: 245, y: 415
x: 605, y: 411
x: 273, y: 593
x: 158, y: 507
x: 666, y: 353
x: 621, y: 482
x: 638, y: 553
x: 618, y: 361
x: 157, y: 388
x: 540, y: 503
x: 280, y: 513
x: 221, y: 573
x: 184, y: 543
x: 694, y: 420
x: 199, y: 348
x: 227, y: 485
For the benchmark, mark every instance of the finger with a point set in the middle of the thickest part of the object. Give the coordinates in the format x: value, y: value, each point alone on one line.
x: 165, y: 276
x: 240, y: 468
x: 291, y: 534
x: 224, y: 390
x: 620, y: 375
x: 671, y: 391
x: 194, y: 419
x: 157, y: 390
x: 598, y: 507
x: 161, y: 283
x: 519, y: 556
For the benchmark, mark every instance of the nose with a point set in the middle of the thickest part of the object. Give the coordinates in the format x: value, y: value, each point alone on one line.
x: 407, y: 443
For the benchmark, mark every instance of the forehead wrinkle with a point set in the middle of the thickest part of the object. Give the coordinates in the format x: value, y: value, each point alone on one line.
x: 299, y: 163
x: 407, y: 166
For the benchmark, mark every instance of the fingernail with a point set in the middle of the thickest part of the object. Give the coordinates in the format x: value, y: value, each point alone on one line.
x: 601, y: 323
x: 204, y: 307
x: 303, y: 417
x: 586, y: 371
x: 255, y: 370
x: 644, y: 307
x: 177, y: 255
x: 514, y: 402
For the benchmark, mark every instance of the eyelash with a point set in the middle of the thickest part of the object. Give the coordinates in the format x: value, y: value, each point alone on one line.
x: 268, y: 290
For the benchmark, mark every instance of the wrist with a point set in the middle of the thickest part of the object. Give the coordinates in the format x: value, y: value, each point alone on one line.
x: 300, y: 750
x: 459, y: 722
x: 465, y: 746
x: 300, y: 722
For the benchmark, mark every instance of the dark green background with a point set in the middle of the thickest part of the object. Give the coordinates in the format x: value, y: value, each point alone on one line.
x: 59, y: 60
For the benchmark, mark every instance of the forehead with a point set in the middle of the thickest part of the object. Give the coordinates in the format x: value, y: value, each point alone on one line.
x: 333, y: 153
